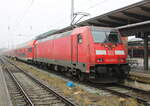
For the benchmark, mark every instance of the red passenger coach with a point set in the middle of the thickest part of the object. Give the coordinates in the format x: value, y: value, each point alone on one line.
x: 86, y: 52
x: 25, y: 51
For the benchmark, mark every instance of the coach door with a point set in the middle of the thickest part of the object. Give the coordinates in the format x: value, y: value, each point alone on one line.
x: 35, y: 51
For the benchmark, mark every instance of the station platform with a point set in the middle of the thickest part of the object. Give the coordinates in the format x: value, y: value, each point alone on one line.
x: 137, y: 70
x: 4, y: 94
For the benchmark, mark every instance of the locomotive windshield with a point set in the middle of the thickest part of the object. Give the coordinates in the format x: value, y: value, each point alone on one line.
x: 106, y: 37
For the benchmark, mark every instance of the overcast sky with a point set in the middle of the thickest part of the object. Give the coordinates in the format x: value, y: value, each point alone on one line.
x: 22, y: 20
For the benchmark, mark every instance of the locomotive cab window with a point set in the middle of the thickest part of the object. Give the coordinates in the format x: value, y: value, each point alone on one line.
x: 106, y: 36
x: 79, y: 38
x: 99, y: 37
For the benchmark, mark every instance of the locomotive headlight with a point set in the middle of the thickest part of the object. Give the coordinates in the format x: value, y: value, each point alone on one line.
x: 99, y: 60
x: 122, y: 60
x: 100, y: 52
x: 119, y: 52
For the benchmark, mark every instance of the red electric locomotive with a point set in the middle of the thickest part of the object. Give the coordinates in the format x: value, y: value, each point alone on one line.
x: 87, y: 52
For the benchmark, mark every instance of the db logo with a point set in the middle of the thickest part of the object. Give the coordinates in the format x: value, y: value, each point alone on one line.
x: 110, y: 52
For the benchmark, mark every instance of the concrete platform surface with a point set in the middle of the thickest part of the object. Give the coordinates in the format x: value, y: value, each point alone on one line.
x: 4, y: 94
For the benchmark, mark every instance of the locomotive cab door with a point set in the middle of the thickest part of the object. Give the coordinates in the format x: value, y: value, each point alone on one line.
x: 80, y: 55
x: 78, y: 48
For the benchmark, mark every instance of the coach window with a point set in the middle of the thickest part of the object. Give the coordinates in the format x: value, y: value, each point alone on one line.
x: 79, y: 38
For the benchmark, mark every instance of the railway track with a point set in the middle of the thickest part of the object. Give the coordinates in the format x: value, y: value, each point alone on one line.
x: 17, y: 95
x: 140, y: 95
x: 28, y: 91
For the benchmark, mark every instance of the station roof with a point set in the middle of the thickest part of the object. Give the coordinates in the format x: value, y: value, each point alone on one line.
x: 135, y: 13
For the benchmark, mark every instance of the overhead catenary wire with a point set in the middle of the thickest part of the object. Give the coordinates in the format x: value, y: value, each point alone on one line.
x: 96, y: 4
x: 25, y: 13
x: 93, y: 6
x: 32, y: 2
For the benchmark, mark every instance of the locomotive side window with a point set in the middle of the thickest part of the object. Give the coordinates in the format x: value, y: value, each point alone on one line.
x: 29, y: 49
x: 79, y: 38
